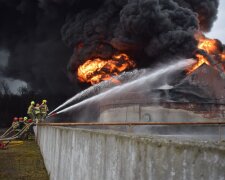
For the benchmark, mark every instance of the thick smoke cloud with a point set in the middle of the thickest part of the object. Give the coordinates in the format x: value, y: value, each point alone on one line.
x: 38, y: 56
x: 206, y: 10
x: 148, y: 30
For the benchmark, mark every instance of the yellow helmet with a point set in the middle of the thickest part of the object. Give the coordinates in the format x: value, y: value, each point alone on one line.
x: 32, y: 102
x: 44, y: 101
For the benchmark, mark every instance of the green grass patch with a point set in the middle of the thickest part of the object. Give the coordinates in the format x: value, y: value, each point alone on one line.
x: 22, y: 160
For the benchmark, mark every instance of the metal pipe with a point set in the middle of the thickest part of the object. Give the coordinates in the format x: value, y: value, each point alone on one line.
x: 130, y: 123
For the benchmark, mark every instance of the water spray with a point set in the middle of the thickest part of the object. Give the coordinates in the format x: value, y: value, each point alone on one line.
x: 95, y: 89
x: 150, y: 77
x: 77, y: 97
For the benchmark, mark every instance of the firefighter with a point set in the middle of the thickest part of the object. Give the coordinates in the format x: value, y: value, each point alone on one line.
x: 21, y: 123
x: 44, y: 109
x: 12, y: 128
x: 31, y: 110
x: 37, y: 112
x: 15, y: 119
x: 25, y: 119
x: 15, y: 123
x: 29, y: 128
x: 29, y: 121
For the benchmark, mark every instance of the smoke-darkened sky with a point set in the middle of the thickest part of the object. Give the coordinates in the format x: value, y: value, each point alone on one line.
x: 43, y: 41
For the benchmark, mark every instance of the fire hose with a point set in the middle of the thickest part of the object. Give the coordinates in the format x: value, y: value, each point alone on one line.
x: 26, y: 127
x: 10, y: 130
x: 19, y: 134
x: 7, y: 132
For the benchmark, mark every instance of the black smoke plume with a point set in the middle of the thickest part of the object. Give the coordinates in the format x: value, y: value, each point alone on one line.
x: 31, y: 34
x: 148, y: 30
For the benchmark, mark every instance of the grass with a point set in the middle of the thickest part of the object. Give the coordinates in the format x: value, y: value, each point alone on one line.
x: 22, y: 161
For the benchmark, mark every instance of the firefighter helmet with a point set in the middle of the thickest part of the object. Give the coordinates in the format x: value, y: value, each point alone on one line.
x: 15, y: 119
x: 32, y: 102
x: 44, y: 101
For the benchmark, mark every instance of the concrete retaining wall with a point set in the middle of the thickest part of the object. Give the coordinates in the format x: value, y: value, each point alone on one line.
x: 80, y: 154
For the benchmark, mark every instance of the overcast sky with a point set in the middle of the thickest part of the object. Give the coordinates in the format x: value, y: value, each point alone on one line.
x: 218, y: 30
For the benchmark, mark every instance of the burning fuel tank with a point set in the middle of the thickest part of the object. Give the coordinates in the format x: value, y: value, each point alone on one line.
x: 198, y: 96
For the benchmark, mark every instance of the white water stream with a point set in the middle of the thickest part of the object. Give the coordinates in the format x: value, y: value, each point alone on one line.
x: 151, y: 77
x: 93, y: 90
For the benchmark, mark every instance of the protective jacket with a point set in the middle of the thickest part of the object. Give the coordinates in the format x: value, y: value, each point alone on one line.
x: 30, y: 109
x: 44, y: 108
x: 15, y: 124
x: 37, y: 110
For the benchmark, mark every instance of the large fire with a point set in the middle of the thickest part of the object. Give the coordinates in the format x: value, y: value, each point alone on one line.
x: 213, y: 50
x: 95, y: 70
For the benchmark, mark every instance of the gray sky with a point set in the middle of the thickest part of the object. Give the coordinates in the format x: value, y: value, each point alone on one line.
x: 218, y: 30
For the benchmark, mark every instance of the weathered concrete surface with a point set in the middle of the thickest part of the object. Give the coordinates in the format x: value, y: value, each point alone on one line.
x: 107, y: 155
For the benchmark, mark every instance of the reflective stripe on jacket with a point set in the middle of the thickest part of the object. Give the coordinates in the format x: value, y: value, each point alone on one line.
x: 37, y: 110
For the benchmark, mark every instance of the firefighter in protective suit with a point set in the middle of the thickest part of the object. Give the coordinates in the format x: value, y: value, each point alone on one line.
x: 25, y: 119
x: 37, y: 113
x: 30, y: 111
x: 21, y: 123
x: 44, y: 109
x: 15, y: 123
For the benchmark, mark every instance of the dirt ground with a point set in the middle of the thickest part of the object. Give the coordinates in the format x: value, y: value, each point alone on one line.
x: 22, y: 161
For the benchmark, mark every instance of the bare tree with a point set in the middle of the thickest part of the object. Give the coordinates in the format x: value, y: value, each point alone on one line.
x: 23, y: 90
x: 4, y: 87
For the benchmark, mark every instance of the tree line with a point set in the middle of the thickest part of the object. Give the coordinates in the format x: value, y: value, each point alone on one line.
x: 16, y: 105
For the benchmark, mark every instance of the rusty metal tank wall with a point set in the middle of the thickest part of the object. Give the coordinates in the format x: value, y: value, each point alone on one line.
x: 135, y: 106
x: 147, y: 113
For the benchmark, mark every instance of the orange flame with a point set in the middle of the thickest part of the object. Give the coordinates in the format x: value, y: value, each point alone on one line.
x: 210, y: 46
x: 200, y: 61
x: 95, y: 70
x: 223, y: 56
